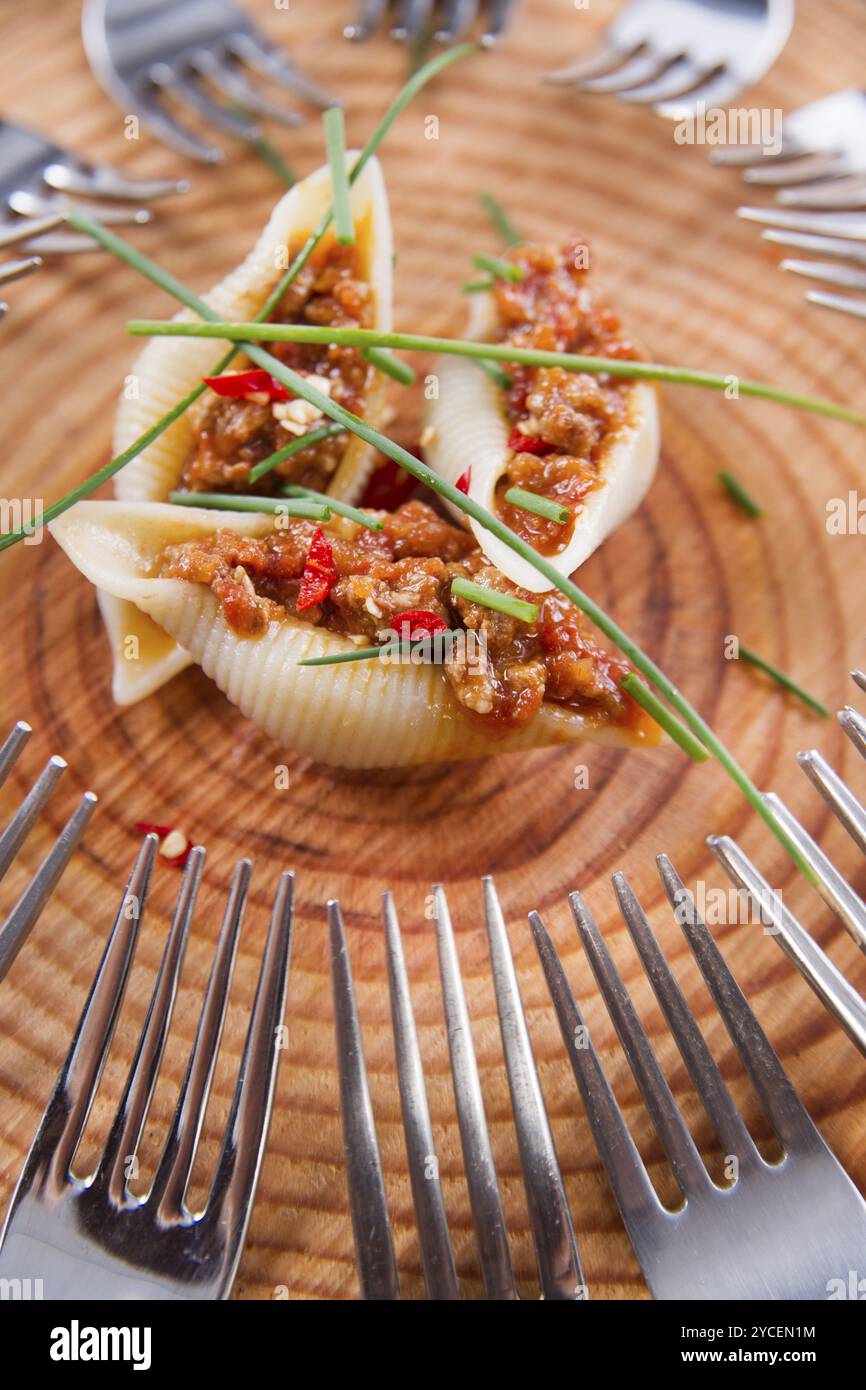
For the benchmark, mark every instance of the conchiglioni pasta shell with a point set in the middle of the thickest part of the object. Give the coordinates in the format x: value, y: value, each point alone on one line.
x: 361, y: 714
x: 469, y: 428
x: 169, y: 368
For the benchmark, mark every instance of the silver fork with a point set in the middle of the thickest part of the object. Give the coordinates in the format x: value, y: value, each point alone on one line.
x: 18, y: 924
x: 780, y: 1230
x: 677, y: 55
x: 449, y: 19
x: 839, y: 997
x: 819, y: 178
x: 16, y: 270
x: 93, y: 1238
x: 143, y: 51
x: 559, y: 1268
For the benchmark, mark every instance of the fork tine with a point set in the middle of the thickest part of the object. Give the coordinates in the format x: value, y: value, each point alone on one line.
x: 67, y: 1110
x: 374, y: 1240
x: 186, y: 90
x: 834, y: 889
x: 842, y: 303
x: 719, y: 88
x: 855, y: 727
x: 838, y: 224
x: 838, y: 796
x: 859, y: 678
x: 777, y: 1095
x: 25, y: 817
x: 675, y: 83
x: 716, y: 1097
x: 819, y: 972
x: 370, y: 13
x: 25, y: 914
x: 458, y: 15
x: 125, y: 1134
x: 269, y: 61
x: 247, y: 1130
x: 823, y: 245
x: 807, y: 169
x: 607, y: 56
x: 411, y: 19
x: 12, y: 746
x: 843, y: 194
x: 437, y: 1256
x: 24, y: 228
x: 623, y: 1164
x: 643, y: 66
x: 678, y: 1144
x: 229, y: 79
x: 560, y: 1271
x: 105, y: 182
x: 498, y: 18
x: 16, y: 270
x: 175, y: 1166
x: 487, y: 1213
x: 162, y: 122
x: 740, y: 156
x: 828, y: 271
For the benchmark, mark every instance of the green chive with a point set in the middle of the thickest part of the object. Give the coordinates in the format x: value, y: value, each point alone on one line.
x: 407, y: 93
x: 372, y: 523
x: 476, y: 286
x: 240, y: 502
x: 743, y: 498
x: 503, y: 352
x: 499, y: 269
x: 784, y: 681
x: 500, y: 219
x: 268, y: 153
x: 540, y: 506
x: 304, y: 442
x: 492, y: 598
x: 335, y: 142
x: 414, y: 466
x: 496, y: 374
x: 360, y: 654
x: 381, y: 359
x: 648, y: 700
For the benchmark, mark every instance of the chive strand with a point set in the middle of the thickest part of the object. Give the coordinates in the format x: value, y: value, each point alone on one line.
x: 492, y: 598
x: 242, y: 502
x: 383, y: 361
x: 752, y: 659
x: 372, y: 523
x: 540, y: 506
x: 496, y: 374
x: 289, y: 450
x: 334, y: 122
x: 477, y: 286
x: 500, y: 219
x: 498, y: 268
x: 649, y: 701
x: 501, y: 352
x: 740, y: 494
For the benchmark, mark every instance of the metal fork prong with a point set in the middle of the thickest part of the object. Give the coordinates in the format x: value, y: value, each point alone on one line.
x: 834, y: 889
x: 832, y: 224
x: 602, y: 60
x: 25, y: 913
x: 271, y: 63
x: 437, y: 1256
x: 370, y: 14
x: 855, y: 727
x: 806, y: 169
x: 185, y: 89
x: 819, y: 972
x: 16, y: 270
x: 560, y: 1271
x: 411, y: 19
x: 26, y: 228
x: 827, y: 271
x: 12, y: 746
x: 741, y: 156
x: 497, y: 21
x: 838, y: 796
x: 172, y: 1175
x: 843, y: 304
x: 69, y: 1106
x: 487, y: 1213
x: 669, y: 1124
x: 643, y: 66
x: 777, y: 1095
x: 674, y: 84
x: 37, y: 205
x: 859, y: 678
x: 162, y: 122
x: 104, y: 182
x: 716, y: 1097
x: 368, y: 1203
x: 823, y: 245
x: 125, y: 1134
x: 249, y: 1119
x: 229, y: 79
x: 845, y: 194
x: 458, y: 15
x: 619, y: 1154
x: 719, y: 88
x: 25, y: 817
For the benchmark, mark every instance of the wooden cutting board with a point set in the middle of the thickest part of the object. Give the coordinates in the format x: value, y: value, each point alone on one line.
x: 700, y: 288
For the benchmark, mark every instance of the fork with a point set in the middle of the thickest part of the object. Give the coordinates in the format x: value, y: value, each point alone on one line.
x: 819, y: 178
x: 143, y: 51
x: 560, y: 1272
x: 17, y: 926
x: 411, y: 19
x: 780, y: 1230
x: 835, y: 992
x: 16, y: 270
x: 679, y: 55
x: 93, y: 1238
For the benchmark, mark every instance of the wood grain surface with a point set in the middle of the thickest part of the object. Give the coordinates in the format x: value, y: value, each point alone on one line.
x: 700, y: 288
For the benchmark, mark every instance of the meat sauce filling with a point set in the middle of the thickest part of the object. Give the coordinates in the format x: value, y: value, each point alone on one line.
x: 567, y: 419
x: 407, y: 566
x: 233, y: 435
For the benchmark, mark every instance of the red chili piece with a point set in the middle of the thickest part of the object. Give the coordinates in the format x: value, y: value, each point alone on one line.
x: 239, y: 384
x: 146, y: 827
x: 389, y: 487
x: 320, y: 573
x: 418, y: 623
x: 464, y: 482
x: 528, y: 443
